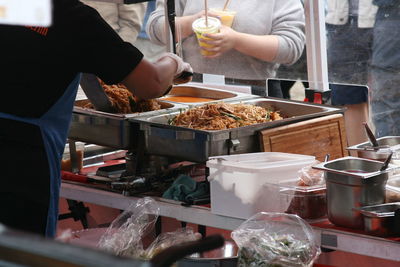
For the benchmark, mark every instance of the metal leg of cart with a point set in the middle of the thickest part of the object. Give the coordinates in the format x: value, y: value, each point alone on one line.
x: 78, y: 212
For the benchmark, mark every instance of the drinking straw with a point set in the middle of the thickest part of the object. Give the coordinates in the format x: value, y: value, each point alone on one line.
x: 226, y: 4
x: 206, y: 12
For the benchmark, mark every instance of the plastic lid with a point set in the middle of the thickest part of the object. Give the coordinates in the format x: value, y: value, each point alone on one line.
x: 200, y: 24
x: 292, y: 187
x: 259, y: 161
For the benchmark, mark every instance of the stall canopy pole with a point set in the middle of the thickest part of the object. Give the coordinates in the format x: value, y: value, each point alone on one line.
x: 122, y: 1
x: 317, y: 66
x: 169, y: 9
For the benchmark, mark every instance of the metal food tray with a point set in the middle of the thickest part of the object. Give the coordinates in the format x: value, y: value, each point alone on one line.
x: 108, y: 129
x: 198, y: 145
x: 205, y: 92
x: 387, y: 145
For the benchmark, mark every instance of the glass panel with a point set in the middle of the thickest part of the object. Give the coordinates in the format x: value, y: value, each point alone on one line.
x: 385, y: 69
x: 363, y: 43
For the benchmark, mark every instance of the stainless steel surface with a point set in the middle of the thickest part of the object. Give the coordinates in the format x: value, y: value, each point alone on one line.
x: 366, y: 150
x: 352, y: 183
x: 100, y: 158
x: 198, y: 145
x: 379, y: 220
x: 108, y: 129
x: 205, y: 92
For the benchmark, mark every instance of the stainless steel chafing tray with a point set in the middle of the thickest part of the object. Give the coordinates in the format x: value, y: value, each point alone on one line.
x: 205, y: 92
x: 387, y: 144
x: 108, y: 129
x: 198, y: 145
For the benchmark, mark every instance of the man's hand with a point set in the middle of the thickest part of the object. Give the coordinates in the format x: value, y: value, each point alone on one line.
x: 184, y: 71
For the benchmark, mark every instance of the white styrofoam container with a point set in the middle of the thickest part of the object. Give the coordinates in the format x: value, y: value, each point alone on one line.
x: 237, y: 181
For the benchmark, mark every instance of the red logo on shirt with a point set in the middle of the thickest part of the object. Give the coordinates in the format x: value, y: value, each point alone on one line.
x: 40, y: 30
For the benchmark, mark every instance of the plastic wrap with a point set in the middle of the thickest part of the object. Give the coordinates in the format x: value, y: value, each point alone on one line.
x: 308, y: 198
x: 124, y: 236
x: 275, y: 240
x: 309, y: 176
x: 166, y: 240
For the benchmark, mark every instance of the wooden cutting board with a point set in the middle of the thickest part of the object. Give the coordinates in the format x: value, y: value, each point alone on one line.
x: 316, y: 137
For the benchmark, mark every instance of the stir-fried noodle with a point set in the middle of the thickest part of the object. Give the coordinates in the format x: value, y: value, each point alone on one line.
x: 219, y: 116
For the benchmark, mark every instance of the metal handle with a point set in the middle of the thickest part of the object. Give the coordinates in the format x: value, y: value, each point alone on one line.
x: 172, y: 254
x: 371, y: 136
x: 386, y: 163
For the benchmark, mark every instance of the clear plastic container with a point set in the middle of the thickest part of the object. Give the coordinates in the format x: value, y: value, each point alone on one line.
x: 237, y: 181
x: 66, y: 164
x: 308, y: 202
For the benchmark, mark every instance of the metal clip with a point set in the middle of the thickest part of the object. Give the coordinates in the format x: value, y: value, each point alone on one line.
x: 234, y: 143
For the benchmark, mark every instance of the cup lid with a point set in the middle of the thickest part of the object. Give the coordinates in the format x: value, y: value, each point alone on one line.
x: 200, y: 24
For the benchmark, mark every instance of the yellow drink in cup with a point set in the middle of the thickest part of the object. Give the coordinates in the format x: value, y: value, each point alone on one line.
x: 199, y: 27
x: 226, y: 16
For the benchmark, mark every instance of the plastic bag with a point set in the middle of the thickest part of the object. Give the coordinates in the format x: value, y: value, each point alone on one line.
x: 166, y: 240
x: 309, y: 176
x: 124, y: 236
x: 275, y: 240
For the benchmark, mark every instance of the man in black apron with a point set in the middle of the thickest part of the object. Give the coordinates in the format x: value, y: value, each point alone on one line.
x: 40, y: 72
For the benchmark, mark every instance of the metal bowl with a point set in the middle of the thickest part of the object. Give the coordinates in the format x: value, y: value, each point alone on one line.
x: 380, y: 220
x: 366, y: 150
x: 352, y: 183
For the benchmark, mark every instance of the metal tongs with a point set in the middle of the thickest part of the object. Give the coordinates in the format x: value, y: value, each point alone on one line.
x: 170, y: 15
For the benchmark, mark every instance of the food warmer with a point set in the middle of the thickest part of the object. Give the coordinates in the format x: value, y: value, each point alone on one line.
x: 120, y: 131
x: 164, y: 139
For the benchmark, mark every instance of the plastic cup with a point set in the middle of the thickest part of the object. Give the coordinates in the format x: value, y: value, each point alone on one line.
x: 226, y: 16
x: 66, y: 164
x: 199, y: 27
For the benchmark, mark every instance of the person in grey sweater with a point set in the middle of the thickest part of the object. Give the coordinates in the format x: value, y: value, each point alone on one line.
x: 126, y: 20
x: 264, y: 35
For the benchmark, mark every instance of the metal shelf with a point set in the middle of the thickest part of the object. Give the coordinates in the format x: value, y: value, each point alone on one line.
x: 328, y: 238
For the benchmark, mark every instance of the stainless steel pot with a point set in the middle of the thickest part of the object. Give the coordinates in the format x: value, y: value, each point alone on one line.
x: 352, y: 183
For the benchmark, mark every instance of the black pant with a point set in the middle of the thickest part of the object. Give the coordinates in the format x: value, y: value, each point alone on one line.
x: 24, y: 177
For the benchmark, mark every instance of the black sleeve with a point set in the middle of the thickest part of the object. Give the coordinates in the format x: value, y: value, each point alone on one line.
x: 88, y: 44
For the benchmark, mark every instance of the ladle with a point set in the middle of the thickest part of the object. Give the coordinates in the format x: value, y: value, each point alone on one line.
x: 371, y: 136
x: 386, y: 163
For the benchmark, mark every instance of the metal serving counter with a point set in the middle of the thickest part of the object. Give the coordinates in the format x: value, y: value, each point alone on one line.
x: 330, y: 238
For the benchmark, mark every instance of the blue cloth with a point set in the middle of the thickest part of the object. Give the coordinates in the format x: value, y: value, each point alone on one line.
x: 54, y: 126
x: 151, y: 6
x: 185, y: 189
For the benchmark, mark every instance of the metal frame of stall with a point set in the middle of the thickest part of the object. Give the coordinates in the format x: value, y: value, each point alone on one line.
x: 318, y: 78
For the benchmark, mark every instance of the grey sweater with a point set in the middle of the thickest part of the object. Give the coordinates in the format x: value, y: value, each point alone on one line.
x: 283, y: 18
